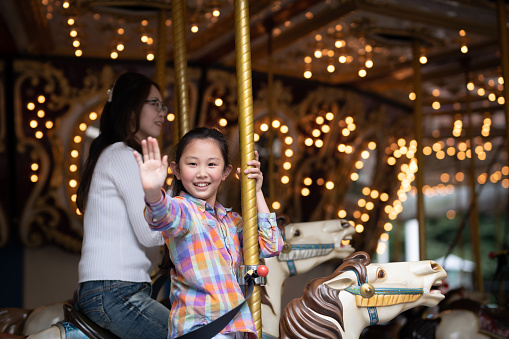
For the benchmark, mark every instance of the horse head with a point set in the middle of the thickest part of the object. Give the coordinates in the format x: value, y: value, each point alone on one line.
x: 359, y: 294
x: 308, y: 244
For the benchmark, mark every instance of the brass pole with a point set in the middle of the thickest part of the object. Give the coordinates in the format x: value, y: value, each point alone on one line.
x: 474, y: 216
x: 180, y: 60
x: 246, y: 137
x: 419, y: 175
x: 161, y: 52
x: 270, y: 98
x: 504, y: 57
x: 161, y: 57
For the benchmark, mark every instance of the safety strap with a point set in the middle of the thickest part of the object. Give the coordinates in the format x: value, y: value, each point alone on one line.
x: 211, y: 329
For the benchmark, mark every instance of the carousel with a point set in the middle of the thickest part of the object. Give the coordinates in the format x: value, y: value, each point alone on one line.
x: 383, y: 129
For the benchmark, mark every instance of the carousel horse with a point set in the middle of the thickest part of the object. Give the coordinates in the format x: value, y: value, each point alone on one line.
x: 465, y: 319
x: 359, y: 294
x: 307, y: 245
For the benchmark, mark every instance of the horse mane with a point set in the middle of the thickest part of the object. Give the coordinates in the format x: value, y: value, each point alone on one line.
x: 299, y: 318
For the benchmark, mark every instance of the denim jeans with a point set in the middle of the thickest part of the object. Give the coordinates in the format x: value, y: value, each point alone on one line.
x: 124, y: 308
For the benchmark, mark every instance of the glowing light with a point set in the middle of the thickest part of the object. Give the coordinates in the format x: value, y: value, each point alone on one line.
x: 73, y: 168
x: 114, y: 55
x: 285, y: 179
x: 78, y: 53
x: 288, y: 140
x: 49, y: 124
x: 41, y: 113
x: 218, y: 102
x: 359, y: 228
x: 305, y: 192
x: 423, y: 60
x: 34, y: 178
x: 92, y: 116
x: 194, y: 28
x: 289, y: 153
x: 342, y: 214
x: 150, y: 56
x: 223, y: 122
x: 308, y: 74
x: 329, y: 185
x: 276, y: 205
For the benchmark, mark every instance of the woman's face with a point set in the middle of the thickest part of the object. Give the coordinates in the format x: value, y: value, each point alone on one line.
x: 151, y: 120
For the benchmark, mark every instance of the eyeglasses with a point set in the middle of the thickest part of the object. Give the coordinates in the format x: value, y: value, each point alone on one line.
x: 160, y: 107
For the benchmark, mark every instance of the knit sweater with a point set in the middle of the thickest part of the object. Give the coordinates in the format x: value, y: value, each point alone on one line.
x: 117, y: 241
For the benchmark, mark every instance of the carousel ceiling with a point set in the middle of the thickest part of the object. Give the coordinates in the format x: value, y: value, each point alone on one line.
x: 363, y: 45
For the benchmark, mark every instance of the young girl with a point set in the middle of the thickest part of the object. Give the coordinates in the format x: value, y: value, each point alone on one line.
x: 119, y: 251
x: 204, y: 238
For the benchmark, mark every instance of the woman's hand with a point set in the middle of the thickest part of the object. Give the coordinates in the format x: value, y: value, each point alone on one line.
x: 254, y: 172
x: 153, y: 169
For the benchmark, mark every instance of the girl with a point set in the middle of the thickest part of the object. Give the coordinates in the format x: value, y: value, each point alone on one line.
x: 119, y: 251
x: 204, y: 238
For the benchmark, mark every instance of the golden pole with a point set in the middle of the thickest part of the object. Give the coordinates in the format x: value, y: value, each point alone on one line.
x: 246, y: 137
x: 504, y: 57
x: 180, y: 60
x: 161, y: 57
x: 161, y: 52
x: 474, y: 215
x: 419, y: 175
x: 270, y: 98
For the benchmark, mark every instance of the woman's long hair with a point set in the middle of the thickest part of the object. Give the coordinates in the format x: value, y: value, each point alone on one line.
x: 120, y: 121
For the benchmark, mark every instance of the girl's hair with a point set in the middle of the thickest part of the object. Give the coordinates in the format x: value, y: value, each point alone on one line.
x: 197, y: 133
x: 120, y: 121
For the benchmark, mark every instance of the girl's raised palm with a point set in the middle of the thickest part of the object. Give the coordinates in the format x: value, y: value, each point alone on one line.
x: 153, y: 169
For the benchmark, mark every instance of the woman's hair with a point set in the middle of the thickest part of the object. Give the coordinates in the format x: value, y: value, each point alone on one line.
x: 120, y: 121
x: 197, y: 133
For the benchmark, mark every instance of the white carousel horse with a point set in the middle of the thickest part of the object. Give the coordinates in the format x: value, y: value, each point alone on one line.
x: 307, y: 245
x: 465, y: 319
x: 359, y: 294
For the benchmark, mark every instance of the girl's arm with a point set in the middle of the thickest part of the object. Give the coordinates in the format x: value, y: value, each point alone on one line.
x: 153, y: 169
x: 269, y: 237
x: 256, y: 173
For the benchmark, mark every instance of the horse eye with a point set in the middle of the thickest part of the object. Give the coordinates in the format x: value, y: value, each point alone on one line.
x: 296, y: 233
x: 381, y: 274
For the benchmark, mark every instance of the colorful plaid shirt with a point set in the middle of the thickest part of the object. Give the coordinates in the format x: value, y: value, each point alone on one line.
x: 206, y: 247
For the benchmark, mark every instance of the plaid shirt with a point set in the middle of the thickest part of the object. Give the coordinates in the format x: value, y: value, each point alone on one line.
x: 206, y: 248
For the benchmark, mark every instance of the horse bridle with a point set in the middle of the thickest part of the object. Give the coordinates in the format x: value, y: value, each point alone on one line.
x: 366, y: 290
x: 287, y: 248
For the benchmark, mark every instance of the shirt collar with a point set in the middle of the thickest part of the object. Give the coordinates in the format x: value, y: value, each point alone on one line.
x: 204, y: 206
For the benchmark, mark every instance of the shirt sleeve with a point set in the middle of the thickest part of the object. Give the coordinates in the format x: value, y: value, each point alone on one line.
x: 169, y: 215
x: 269, y: 237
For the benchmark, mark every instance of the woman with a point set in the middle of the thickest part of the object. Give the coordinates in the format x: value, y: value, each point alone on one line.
x: 119, y: 250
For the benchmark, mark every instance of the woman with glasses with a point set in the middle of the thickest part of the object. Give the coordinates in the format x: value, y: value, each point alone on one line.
x: 119, y: 250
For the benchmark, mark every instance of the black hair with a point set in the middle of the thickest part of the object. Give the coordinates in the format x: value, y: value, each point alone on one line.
x: 120, y: 121
x: 197, y: 133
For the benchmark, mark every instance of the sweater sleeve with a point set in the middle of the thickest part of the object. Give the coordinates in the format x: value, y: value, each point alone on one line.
x: 125, y: 174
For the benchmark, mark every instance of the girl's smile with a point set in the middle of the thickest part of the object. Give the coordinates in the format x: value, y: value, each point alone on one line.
x: 202, y: 169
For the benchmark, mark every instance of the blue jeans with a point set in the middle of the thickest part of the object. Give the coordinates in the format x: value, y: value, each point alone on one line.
x: 124, y: 308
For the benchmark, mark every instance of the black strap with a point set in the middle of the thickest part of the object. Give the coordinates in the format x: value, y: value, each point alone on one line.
x: 211, y: 329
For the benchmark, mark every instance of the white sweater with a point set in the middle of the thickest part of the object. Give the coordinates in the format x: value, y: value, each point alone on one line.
x: 117, y: 241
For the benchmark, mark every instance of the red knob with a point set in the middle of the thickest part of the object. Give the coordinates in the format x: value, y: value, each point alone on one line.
x: 262, y: 271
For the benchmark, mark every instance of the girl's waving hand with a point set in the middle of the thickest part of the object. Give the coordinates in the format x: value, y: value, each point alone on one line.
x: 153, y: 169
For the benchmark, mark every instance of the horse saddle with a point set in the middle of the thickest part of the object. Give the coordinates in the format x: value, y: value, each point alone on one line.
x: 85, y: 325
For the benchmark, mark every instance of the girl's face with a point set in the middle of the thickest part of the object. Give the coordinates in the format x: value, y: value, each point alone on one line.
x: 151, y: 121
x: 201, y: 169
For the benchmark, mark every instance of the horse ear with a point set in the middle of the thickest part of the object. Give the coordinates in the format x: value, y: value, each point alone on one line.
x: 342, y: 281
